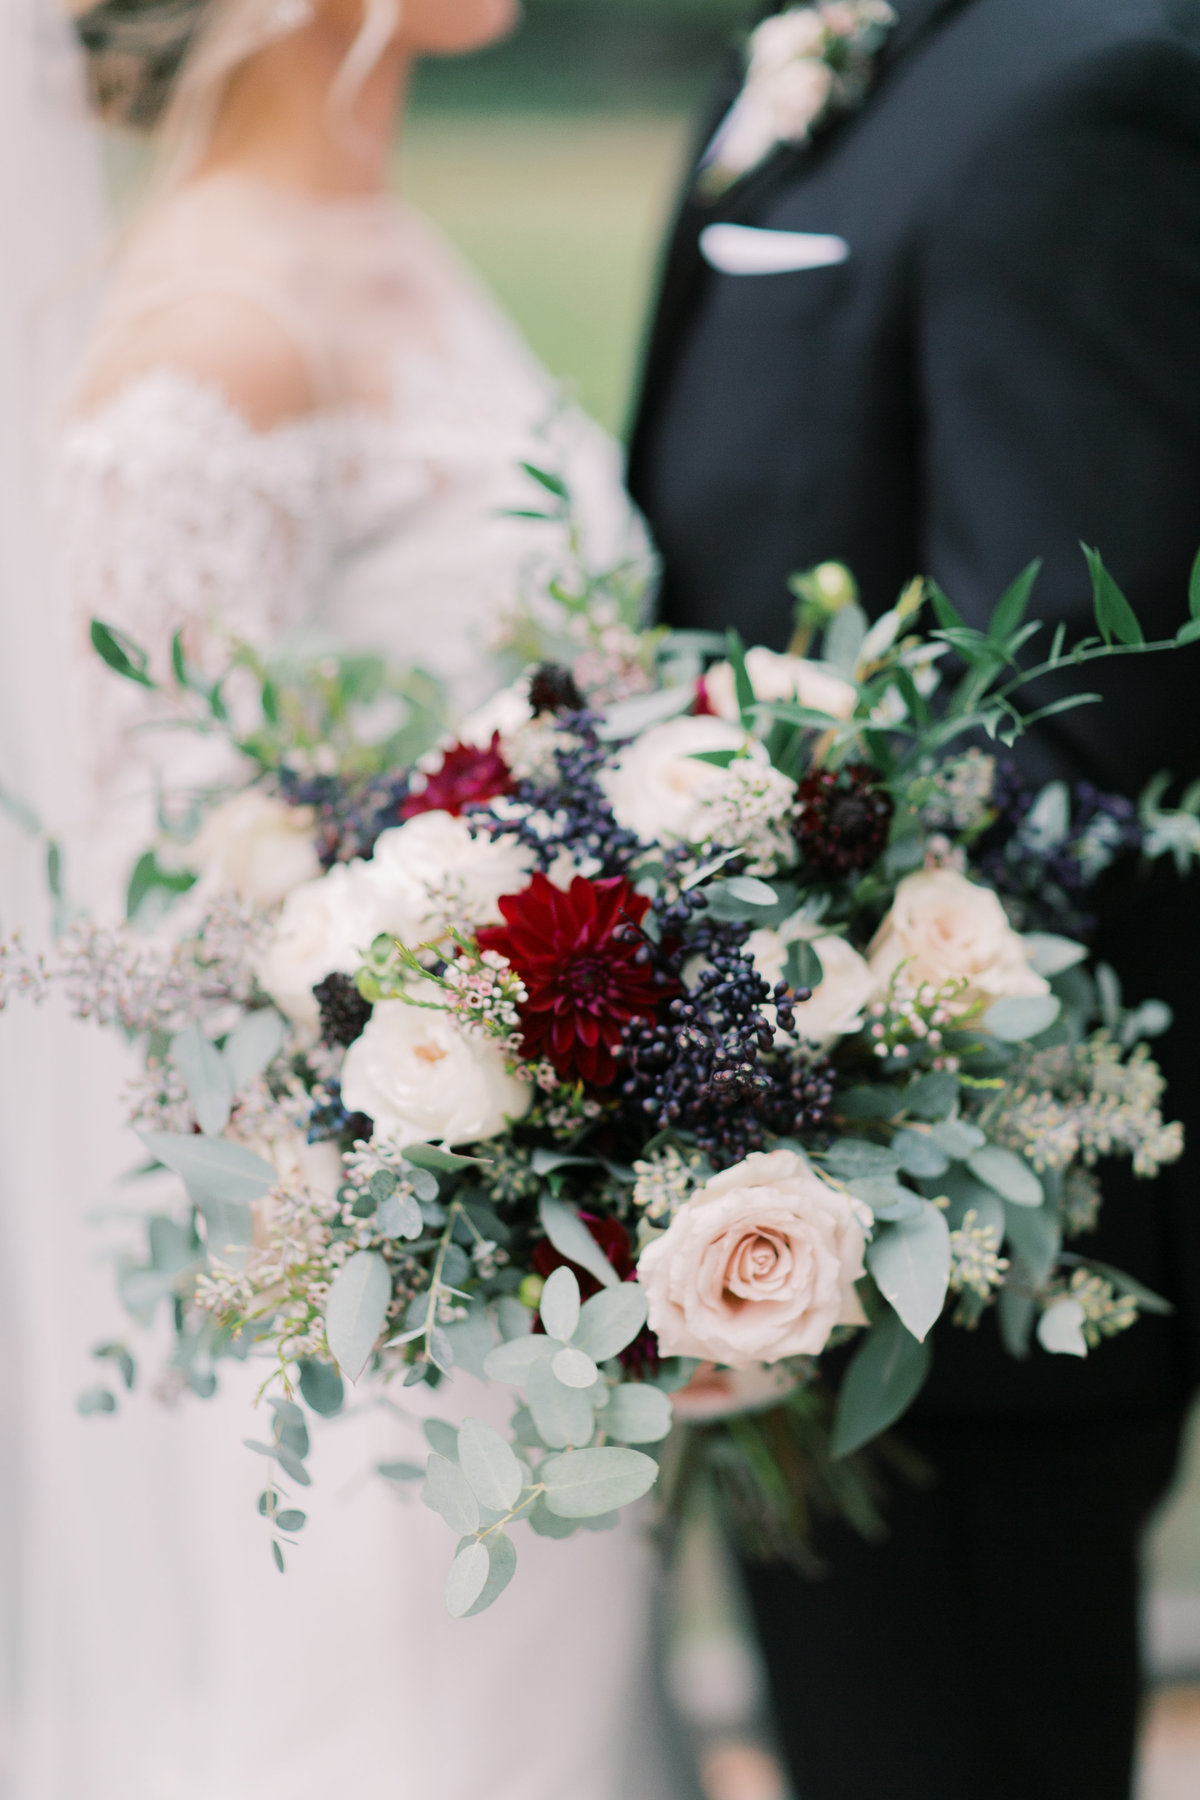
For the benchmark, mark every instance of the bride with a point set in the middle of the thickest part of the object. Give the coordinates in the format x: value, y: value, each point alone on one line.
x: 297, y: 409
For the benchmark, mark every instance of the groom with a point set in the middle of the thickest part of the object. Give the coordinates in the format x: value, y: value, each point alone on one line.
x: 958, y: 329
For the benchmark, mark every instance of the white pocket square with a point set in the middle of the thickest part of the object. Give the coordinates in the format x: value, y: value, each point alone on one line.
x: 744, y: 250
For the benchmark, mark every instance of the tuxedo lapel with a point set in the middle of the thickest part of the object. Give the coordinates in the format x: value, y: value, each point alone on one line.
x: 684, y: 267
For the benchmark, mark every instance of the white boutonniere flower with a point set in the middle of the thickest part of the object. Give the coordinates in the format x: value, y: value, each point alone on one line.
x: 802, y: 65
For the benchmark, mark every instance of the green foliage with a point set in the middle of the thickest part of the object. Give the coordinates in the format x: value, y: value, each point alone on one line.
x: 123, y: 656
x: 910, y: 1262
x: 881, y: 1383
x: 357, y: 1309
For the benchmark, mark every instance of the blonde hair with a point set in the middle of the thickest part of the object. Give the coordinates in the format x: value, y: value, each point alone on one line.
x: 163, y: 66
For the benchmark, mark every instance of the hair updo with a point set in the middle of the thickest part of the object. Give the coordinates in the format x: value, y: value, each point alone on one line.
x: 135, y: 50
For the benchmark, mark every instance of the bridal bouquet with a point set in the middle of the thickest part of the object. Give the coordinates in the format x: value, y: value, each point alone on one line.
x: 713, y: 1042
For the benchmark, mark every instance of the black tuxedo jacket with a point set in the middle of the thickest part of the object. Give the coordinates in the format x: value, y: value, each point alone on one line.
x: 1006, y: 362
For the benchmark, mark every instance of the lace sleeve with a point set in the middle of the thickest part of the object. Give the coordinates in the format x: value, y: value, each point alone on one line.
x: 175, y: 514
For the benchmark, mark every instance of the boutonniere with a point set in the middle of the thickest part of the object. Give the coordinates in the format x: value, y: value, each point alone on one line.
x: 802, y: 66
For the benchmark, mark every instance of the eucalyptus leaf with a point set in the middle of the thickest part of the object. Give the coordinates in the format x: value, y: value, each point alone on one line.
x: 1021, y: 1016
x: 441, y: 1436
x: 920, y: 1155
x: 253, y: 1045
x: 582, y: 1484
x: 741, y: 897
x: 574, y: 1368
x: 472, y: 1340
x: 545, y: 1162
x: 854, y: 1159
x: 637, y: 1414
x: 228, y: 1224
x: 321, y: 1386
x: 546, y: 1524
x: 880, y: 1384
x: 96, y: 1400
x: 423, y: 1182
x: 442, y: 1162
x: 448, y: 1492
x: 212, y: 1168
x: 513, y: 1317
x: 931, y: 1096
x: 207, y: 1078
x: 887, y: 1199
x: 572, y: 1239
x: 910, y: 1262
x: 502, y: 1566
x: 1034, y: 1234
x: 399, y: 1217
x: 490, y: 1466
x: 629, y: 718
x: 957, y: 1137
x: 1050, y: 954
x: 1060, y: 1328
x: 356, y: 1310
x: 870, y: 1103
x: 512, y: 1360
x: 467, y: 1579
x: 400, y: 1471
x: 802, y: 967
x: 559, y: 1305
x: 563, y: 1415
x: 610, y: 1321
x: 1007, y: 1173
x: 1016, y: 1309
x: 441, y: 1350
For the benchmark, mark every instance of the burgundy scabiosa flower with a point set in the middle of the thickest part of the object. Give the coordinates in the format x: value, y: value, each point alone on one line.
x: 578, y: 954
x: 843, y: 817
x: 553, y: 689
x: 467, y: 776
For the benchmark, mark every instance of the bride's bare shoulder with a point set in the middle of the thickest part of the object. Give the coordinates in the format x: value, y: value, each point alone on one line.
x: 202, y: 288
x: 223, y: 341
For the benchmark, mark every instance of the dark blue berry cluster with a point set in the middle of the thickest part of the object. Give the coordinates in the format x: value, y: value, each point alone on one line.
x: 708, y: 1064
x: 573, y: 809
x: 1050, y: 879
x: 329, y: 1119
x: 350, y: 816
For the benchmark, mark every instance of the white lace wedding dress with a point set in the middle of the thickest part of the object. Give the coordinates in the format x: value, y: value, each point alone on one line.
x: 168, y: 1660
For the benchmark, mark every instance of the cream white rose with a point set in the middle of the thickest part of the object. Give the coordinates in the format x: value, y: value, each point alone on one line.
x: 423, y: 1080
x: 432, y: 872
x: 776, y: 677
x: 846, y: 987
x: 326, y: 926
x: 944, y: 928
x: 758, y: 1265
x: 657, y: 788
x: 257, y: 845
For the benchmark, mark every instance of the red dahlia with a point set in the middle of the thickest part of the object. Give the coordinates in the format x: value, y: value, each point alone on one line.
x: 578, y: 958
x: 467, y: 776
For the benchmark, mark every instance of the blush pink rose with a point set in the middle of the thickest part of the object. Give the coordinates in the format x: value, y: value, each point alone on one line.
x: 758, y: 1265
